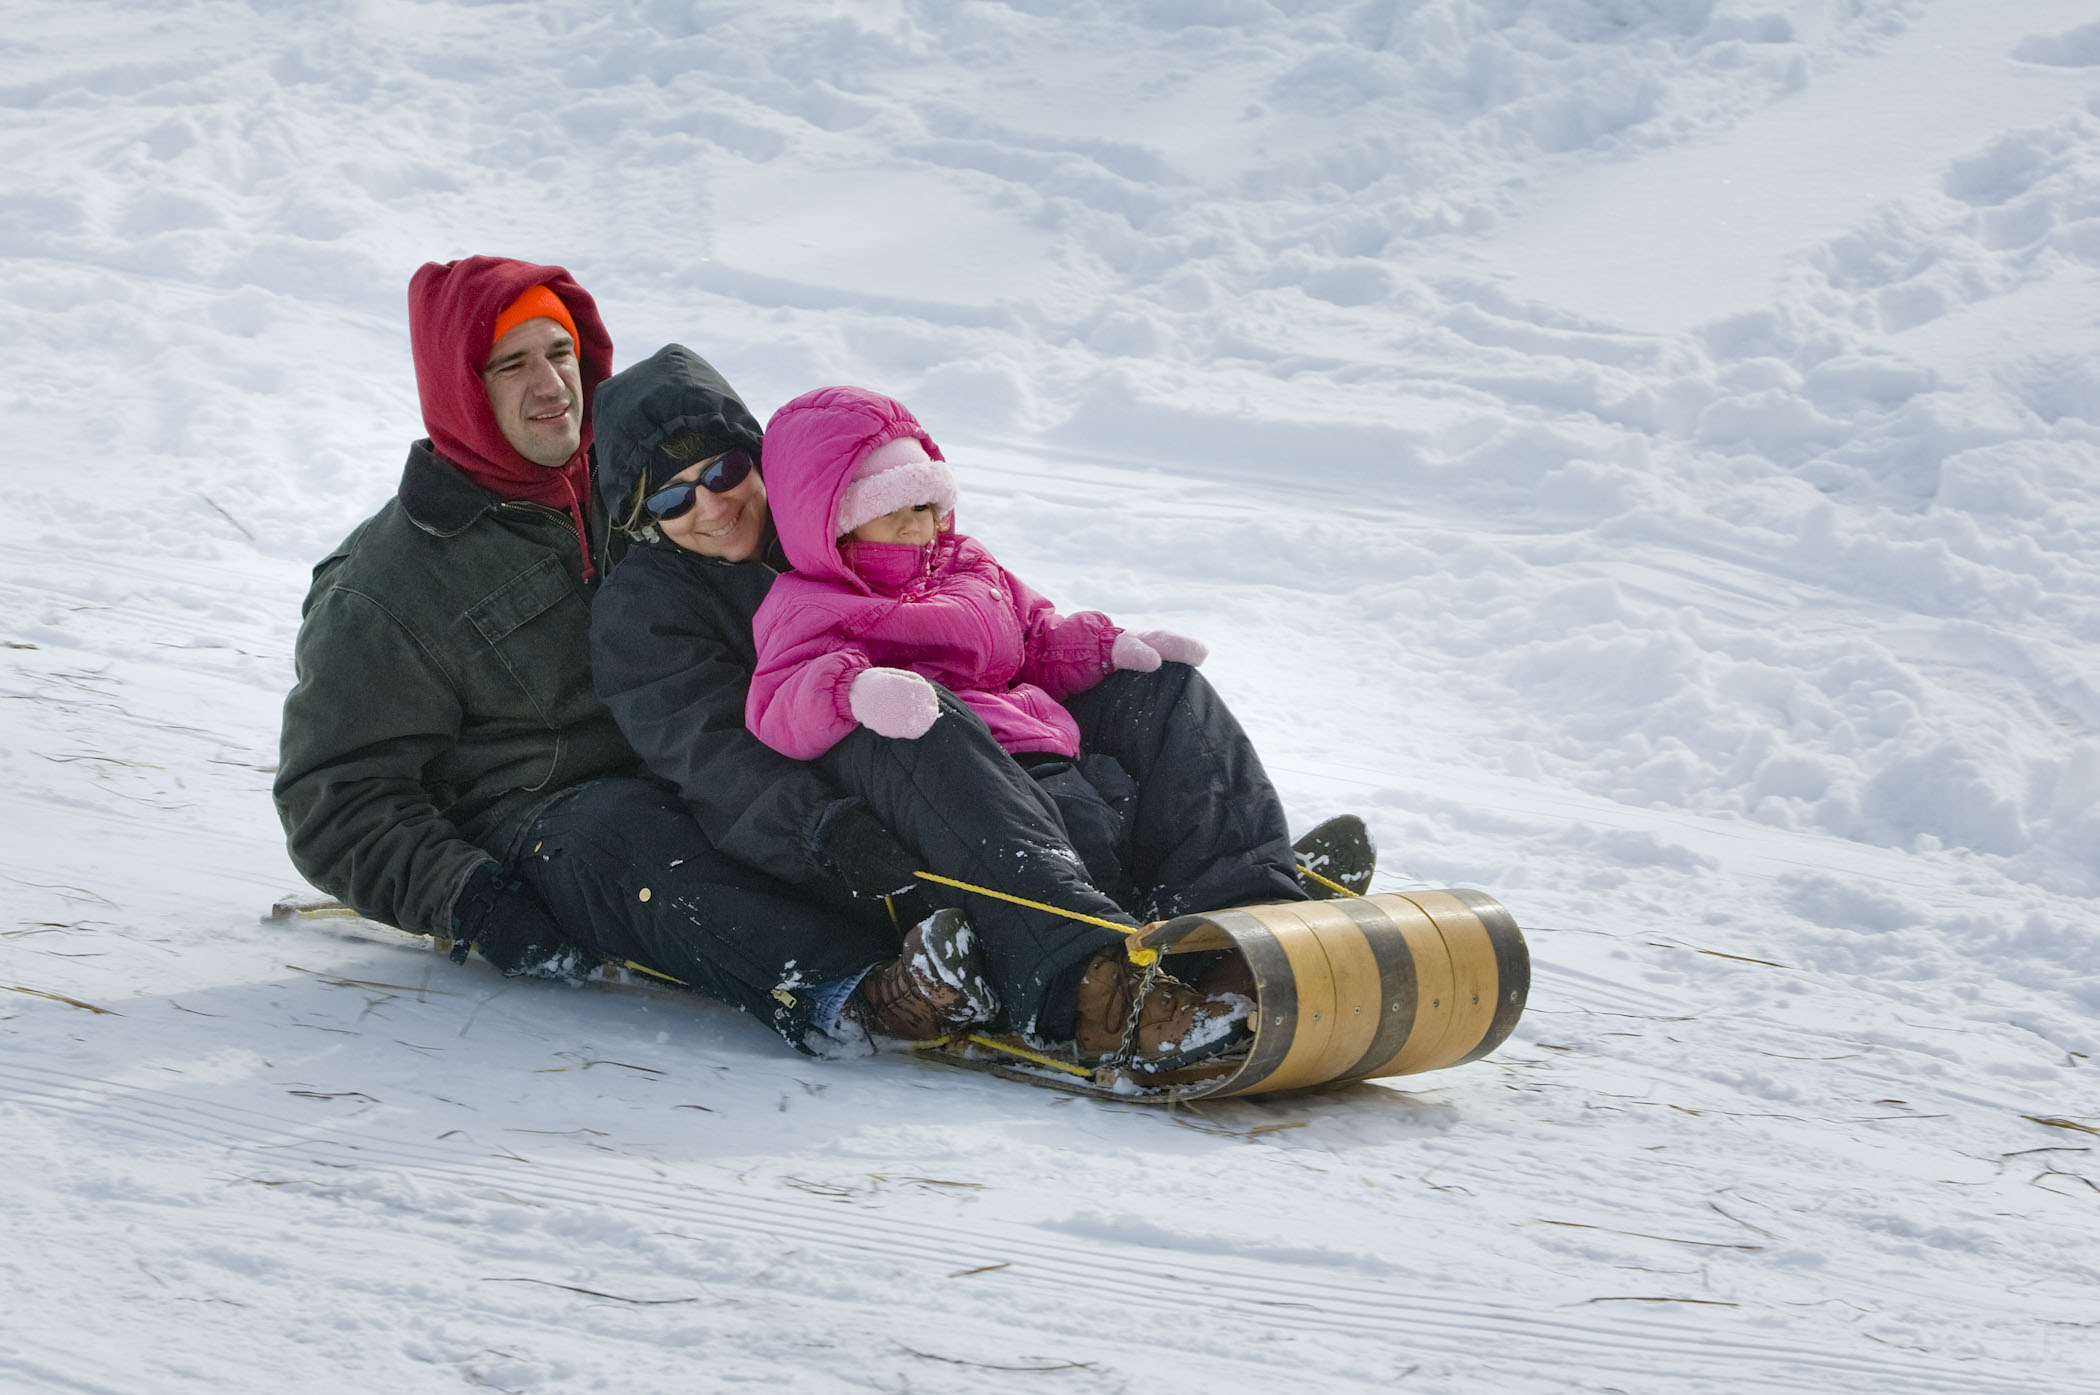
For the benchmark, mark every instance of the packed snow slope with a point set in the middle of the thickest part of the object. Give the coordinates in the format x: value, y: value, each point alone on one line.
x: 1641, y: 454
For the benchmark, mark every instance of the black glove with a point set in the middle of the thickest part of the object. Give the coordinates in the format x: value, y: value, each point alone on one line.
x: 862, y: 854
x: 501, y: 917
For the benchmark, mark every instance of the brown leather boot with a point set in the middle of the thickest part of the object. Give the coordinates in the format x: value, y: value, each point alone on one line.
x: 934, y: 988
x: 1176, y: 1024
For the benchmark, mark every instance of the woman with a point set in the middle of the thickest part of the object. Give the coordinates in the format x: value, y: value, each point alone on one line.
x: 1166, y: 811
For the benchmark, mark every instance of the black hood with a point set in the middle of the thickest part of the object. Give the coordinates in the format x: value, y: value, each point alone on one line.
x: 673, y: 397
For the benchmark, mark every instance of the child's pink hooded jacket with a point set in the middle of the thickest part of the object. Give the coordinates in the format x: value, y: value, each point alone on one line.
x: 946, y: 611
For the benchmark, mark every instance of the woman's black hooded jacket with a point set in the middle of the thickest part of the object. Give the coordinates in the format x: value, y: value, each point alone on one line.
x: 671, y: 650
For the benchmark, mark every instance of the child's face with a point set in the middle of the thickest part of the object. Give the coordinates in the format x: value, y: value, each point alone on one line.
x: 914, y: 523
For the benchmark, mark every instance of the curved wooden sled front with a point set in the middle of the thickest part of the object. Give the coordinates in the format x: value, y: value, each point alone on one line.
x: 1353, y: 989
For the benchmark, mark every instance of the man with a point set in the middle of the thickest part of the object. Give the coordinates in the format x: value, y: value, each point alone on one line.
x: 445, y: 765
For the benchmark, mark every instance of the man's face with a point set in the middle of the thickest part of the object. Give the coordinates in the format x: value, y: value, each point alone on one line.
x: 536, y: 391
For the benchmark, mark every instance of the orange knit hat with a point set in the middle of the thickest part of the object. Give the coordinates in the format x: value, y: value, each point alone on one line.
x: 536, y: 303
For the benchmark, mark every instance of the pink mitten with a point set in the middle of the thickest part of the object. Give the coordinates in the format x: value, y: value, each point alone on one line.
x: 1133, y: 653
x: 1174, y: 648
x: 893, y: 702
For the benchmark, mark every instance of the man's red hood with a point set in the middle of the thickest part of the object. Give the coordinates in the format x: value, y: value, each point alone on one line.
x: 452, y: 310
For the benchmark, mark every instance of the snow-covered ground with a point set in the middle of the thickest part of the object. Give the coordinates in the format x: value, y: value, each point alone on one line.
x: 1644, y: 455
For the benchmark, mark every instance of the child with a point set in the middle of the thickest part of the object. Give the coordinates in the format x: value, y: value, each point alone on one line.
x: 887, y: 599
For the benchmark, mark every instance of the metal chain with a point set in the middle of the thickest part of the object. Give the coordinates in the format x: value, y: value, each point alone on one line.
x: 1146, y: 978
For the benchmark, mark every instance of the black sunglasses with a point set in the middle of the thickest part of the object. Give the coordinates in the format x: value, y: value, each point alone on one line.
x: 727, y: 472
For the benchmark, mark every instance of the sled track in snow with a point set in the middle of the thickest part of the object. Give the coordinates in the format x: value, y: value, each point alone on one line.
x: 1277, y: 1292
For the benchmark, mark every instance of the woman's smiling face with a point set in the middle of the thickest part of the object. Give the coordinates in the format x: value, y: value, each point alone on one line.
x: 730, y: 525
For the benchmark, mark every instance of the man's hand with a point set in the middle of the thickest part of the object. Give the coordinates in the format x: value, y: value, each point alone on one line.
x: 501, y: 917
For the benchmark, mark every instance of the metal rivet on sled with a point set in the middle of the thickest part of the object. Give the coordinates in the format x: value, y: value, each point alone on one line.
x: 645, y: 893
x: 1476, y: 1000
x: 1436, y: 1002
x: 1279, y: 1019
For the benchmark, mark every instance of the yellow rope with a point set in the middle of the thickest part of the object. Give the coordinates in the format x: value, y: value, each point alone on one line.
x: 1024, y: 901
x: 1139, y: 954
x: 980, y: 1039
x: 653, y: 973
x: 1331, y: 886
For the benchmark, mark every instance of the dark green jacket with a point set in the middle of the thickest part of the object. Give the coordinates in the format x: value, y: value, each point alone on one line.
x: 443, y: 697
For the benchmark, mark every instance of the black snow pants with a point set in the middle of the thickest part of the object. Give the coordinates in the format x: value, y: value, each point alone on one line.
x: 628, y: 873
x: 1168, y: 811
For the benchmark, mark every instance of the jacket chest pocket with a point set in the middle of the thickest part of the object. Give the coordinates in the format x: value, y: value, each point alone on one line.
x: 536, y: 628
